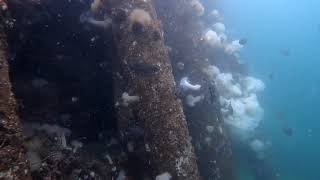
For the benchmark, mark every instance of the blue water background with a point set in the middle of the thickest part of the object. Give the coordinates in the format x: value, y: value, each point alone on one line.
x: 292, y: 97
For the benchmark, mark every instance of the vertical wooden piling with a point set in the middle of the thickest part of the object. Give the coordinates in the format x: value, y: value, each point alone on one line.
x: 13, y: 164
x: 183, y: 32
x: 145, y: 72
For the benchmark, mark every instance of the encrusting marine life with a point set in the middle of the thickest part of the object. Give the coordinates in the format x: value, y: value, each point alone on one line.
x: 159, y: 89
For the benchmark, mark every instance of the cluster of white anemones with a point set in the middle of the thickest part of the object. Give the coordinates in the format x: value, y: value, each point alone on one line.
x: 238, y: 93
x: 217, y: 38
x: 239, y: 103
x: 186, y: 86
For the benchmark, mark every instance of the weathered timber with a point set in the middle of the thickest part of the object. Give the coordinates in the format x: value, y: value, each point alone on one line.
x: 13, y: 164
x: 145, y: 71
x: 183, y: 33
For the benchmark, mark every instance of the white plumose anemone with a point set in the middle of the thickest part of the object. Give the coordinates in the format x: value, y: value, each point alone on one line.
x: 193, y: 100
x: 164, y: 176
x: 215, y: 14
x: 212, y: 38
x: 219, y: 27
x: 186, y: 85
x: 246, y: 115
x: 239, y: 103
x: 253, y: 85
x: 233, y: 47
x: 226, y: 85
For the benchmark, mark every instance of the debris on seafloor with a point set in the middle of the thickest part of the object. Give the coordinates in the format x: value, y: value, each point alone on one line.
x: 48, y: 159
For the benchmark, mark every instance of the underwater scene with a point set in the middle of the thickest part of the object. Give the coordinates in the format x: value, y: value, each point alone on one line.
x: 159, y: 90
x: 282, y: 51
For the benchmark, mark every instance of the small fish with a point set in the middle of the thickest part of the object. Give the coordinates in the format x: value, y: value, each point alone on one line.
x: 230, y: 108
x: 285, y: 52
x: 144, y: 69
x: 212, y: 94
x: 243, y: 41
x: 280, y: 116
x: 270, y: 76
x: 287, y: 131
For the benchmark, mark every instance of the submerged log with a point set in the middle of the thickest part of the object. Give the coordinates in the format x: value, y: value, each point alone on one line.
x: 149, y: 89
x: 183, y: 31
x: 13, y: 164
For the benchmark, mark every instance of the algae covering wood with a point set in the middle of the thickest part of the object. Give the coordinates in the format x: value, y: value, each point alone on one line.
x: 145, y: 66
x: 183, y: 27
x: 13, y: 164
